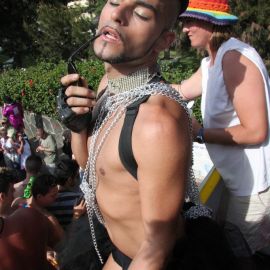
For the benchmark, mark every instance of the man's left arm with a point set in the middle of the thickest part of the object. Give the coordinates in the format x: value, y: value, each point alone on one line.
x: 162, y: 150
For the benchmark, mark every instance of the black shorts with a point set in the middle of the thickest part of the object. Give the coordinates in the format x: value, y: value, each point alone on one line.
x: 204, y: 247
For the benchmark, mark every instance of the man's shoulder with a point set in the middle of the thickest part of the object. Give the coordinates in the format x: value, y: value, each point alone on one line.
x: 160, y: 116
x: 161, y: 109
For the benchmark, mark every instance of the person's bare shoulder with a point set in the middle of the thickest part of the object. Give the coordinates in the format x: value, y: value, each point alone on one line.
x: 17, y: 202
x: 162, y: 125
x: 161, y: 114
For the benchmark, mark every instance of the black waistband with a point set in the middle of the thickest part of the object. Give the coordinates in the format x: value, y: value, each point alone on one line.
x: 120, y: 258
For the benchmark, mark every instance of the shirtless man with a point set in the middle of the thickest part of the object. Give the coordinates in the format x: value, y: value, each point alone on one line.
x: 140, y: 207
x: 24, y: 237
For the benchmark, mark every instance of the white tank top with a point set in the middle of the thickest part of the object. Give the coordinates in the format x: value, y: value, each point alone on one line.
x: 244, y: 169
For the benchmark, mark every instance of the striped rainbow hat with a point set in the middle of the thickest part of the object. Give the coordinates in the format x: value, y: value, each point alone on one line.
x: 213, y: 11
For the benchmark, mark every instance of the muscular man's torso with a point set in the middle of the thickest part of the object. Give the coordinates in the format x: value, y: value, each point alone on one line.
x: 117, y: 193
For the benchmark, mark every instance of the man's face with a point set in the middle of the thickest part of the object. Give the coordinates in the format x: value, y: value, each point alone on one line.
x: 49, y: 198
x: 130, y: 30
x: 40, y: 134
x: 7, y: 198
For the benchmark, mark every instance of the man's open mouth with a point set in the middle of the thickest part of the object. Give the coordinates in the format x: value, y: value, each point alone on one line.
x: 111, y: 34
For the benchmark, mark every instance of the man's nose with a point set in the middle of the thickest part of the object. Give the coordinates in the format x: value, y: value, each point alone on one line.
x: 120, y: 13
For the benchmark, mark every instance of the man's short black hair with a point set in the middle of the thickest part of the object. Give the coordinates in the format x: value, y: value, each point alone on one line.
x: 7, y: 177
x: 66, y: 168
x: 33, y: 164
x: 42, y: 184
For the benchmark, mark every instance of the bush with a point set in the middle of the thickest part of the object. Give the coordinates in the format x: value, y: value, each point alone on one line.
x: 37, y: 87
x: 180, y: 69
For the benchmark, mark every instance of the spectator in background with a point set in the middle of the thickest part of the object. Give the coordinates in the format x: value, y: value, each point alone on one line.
x: 47, y: 149
x: 24, y: 238
x: 14, y: 112
x: 24, y: 149
x: 3, y: 138
x: 44, y: 192
x: 67, y: 143
x: 6, y: 192
x: 11, y: 154
x: 66, y: 173
x: 33, y: 166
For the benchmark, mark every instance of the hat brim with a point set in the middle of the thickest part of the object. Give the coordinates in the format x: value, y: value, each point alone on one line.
x: 214, y: 17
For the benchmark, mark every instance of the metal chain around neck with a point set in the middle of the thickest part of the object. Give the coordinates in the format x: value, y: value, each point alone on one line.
x: 114, y: 108
x: 133, y: 80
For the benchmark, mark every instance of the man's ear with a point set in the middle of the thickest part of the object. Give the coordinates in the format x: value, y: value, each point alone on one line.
x: 165, y: 41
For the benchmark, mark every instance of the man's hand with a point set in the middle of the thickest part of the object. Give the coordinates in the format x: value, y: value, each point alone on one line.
x: 80, y: 99
x: 79, y: 209
x: 39, y: 149
x: 75, y: 103
x: 195, y: 127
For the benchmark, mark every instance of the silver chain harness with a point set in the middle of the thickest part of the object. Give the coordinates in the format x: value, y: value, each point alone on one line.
x: 113, y: 108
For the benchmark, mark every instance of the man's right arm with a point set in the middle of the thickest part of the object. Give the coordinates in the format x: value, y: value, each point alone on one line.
x: 190, y: 88
x: 81, y: 100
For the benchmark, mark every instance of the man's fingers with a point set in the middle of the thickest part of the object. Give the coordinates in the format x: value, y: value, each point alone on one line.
x: 69, y: 79
x: 80, y: 91
x: 80, y: 110
x: 80, y: 102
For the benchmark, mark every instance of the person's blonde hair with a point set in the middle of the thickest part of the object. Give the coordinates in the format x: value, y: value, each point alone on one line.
x: 220, y: 34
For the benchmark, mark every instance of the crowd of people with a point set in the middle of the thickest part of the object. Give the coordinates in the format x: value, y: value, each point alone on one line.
x: 39, y: 195
x: 133, y: 160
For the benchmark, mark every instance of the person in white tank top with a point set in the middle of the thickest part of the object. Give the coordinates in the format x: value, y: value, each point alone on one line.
x: 235, y: 89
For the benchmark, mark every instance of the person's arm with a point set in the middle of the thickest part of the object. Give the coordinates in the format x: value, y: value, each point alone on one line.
x: 245, y: 87
x: 50, y: 146
x: 21, y: 145
x: 192, y: 87
x: 162, y: 149
x: 81, y: 100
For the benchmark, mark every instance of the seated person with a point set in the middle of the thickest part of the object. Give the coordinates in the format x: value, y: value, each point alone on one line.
x: 62, y: 208
x: 44, y: 192
x: 33, y: 166
x: 67, y: 143
x: 47, y: 149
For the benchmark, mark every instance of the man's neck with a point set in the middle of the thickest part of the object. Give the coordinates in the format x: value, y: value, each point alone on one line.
x: 133, y: 80
x: 119, y: 70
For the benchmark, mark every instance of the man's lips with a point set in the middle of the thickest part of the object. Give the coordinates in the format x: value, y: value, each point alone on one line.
x: 111, y: 35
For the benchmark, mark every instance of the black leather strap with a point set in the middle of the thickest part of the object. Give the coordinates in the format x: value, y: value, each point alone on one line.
x: 74, y: 122
x: 125, y: 142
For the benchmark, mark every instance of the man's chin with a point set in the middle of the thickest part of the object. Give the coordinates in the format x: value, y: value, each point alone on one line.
x: 113, y: 60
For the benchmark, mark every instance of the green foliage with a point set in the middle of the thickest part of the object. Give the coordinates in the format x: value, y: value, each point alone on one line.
x: 180, y: 69
x: 37, y: 86
x: 59, y: 30
x: 14, y: 38
x: 254, y: 25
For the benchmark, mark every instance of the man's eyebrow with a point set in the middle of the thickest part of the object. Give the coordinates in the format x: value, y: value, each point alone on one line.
x: 147, y: 5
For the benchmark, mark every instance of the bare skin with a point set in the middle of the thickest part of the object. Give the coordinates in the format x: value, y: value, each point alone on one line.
x: 24, y: 241
x: 142, y: 217
x: 245, y: 87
